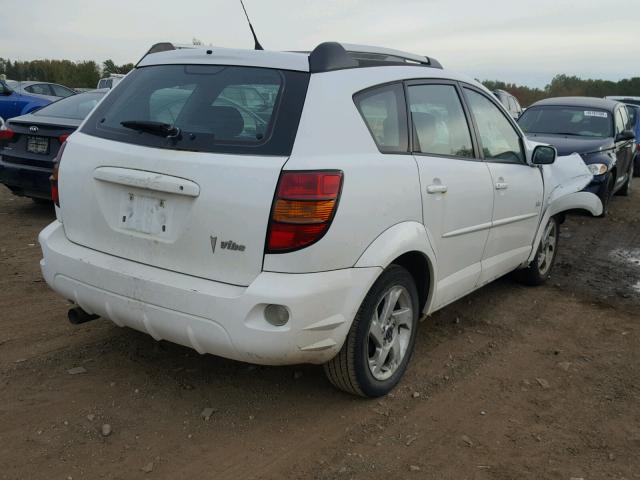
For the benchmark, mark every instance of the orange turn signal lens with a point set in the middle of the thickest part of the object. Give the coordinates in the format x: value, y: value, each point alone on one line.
x: 296, y: 211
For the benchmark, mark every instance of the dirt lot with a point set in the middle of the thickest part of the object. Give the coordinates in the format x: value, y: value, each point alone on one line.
x: 508, y: 383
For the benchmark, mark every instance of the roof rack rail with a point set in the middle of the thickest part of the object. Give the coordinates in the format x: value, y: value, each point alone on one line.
x: 330, y: 56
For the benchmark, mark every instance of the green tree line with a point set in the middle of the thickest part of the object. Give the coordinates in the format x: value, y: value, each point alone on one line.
x: 83, y: 74
x: 564, y: 85
x: 86, y: 74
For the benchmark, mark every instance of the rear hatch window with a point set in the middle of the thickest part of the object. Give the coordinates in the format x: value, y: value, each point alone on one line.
x: 204, y: 108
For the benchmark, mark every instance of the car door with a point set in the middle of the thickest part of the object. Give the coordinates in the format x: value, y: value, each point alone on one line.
x: 624, y: 148
x: 9, y: 102
x: 517, y: 187
x: 457, y: 192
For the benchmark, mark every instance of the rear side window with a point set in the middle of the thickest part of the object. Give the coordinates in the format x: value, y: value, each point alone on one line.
x: 499, y: 139
x: 384, y: 111
x: 60, y: 91
x: 439, y: 123
x: 226, y: 109
x: 39, y: 89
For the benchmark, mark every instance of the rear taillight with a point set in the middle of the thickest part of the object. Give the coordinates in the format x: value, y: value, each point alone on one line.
x: 303, y: 209
x: 638, y: 147
x: 54, y: 175
x: 63, y: 138
x: 6, y: 134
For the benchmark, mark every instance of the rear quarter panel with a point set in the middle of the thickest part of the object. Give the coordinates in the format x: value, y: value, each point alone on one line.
x: 379, y: 190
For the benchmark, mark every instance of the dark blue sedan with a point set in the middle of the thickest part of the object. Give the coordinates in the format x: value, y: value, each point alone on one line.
x: 599, y: 130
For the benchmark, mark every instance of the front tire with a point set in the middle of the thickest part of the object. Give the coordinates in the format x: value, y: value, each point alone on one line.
x: 605, y: 197
x: 625, y: 190
x: 381, y: 340
x: 539, y: 270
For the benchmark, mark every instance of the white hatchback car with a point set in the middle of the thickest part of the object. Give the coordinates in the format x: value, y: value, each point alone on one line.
x: 282, y: 208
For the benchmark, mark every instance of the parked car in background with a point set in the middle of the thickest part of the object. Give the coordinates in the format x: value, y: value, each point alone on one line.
x: 30, y: 143
x: 634, y: 117
x: 53, y: 91
x: 629, y: 100
x: 509, y: 102
x: 110, y: 81
x: 254, y: 240
x: 597, y: 129
x: 633, y: 104
x: 19, y: 98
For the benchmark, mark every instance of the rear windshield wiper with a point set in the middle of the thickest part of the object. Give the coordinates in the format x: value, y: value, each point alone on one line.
x: 155, y: 128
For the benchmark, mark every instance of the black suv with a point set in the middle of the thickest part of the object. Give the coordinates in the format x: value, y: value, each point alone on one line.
x: 599, y: 130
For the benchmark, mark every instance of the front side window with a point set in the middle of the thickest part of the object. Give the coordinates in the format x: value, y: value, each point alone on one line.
x: 633, y: 116
x: 565, y: 120
x: 619, y: 122
x: 211, y: 108
x: 439, y: 123
x: 499, y: 139
x: 384, y: 112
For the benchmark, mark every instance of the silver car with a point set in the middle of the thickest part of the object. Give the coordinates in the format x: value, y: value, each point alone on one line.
x: 50, y: 91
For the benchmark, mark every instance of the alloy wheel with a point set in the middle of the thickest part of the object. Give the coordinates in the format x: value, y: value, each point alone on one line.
x: 390, y: 332
x: 548, y: 247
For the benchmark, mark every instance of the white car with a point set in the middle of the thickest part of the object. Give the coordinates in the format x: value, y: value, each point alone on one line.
x: 110, y: 81
x: 315, y: 223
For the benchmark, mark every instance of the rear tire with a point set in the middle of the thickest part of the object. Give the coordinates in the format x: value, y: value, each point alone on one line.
x: 381, y: 340
x: 539, y: 270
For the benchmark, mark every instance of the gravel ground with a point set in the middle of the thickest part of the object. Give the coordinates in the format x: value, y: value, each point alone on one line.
x: 510, y: 382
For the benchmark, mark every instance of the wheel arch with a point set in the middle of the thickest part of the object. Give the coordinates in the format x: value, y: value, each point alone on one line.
x: 406, y: 244
x: 577, y: 201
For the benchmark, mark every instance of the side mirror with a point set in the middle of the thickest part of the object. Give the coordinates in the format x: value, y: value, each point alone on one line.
x: 625, y: 136
x: 544, y: 155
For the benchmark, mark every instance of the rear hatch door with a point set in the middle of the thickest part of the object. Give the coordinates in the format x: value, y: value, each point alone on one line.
x: 195, y: 198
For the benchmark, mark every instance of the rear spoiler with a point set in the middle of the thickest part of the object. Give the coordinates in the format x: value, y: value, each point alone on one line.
x: 165, y: 47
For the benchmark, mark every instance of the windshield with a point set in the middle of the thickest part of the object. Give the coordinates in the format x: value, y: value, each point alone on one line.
x: 561, y: 120
x: 211, y: 107
x: 76, y: 107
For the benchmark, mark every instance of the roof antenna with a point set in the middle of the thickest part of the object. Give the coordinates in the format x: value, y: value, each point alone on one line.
x: 257, y: 45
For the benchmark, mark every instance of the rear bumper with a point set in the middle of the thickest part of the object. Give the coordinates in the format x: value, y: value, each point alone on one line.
x: 208, y: 316
x: 26, y: 180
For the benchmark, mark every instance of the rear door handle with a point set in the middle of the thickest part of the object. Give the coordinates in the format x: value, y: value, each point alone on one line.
x: 502, y: 185
x: 436, y: 188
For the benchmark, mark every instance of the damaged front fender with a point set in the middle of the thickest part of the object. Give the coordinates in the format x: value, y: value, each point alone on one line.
x: 564, y: 181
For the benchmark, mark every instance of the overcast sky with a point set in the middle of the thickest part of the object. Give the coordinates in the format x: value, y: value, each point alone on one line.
x: 522, y: 41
